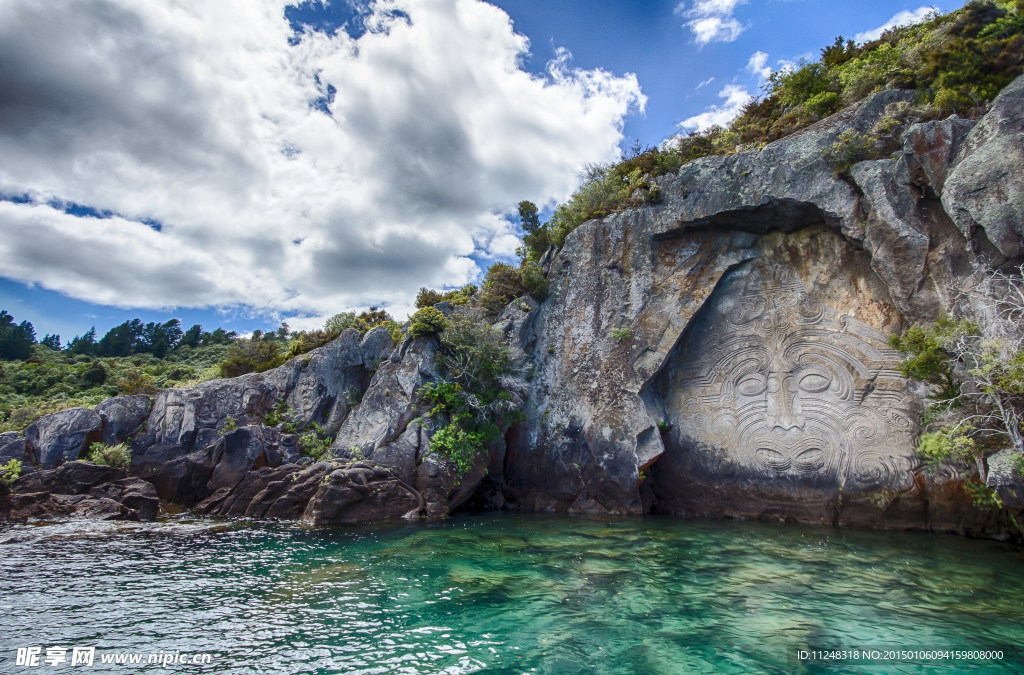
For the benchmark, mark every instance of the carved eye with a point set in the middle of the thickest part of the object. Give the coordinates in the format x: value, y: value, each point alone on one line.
x: 814, y: 383
x: 773, y: 459
x: 751, y: 385
x: 810, y: 460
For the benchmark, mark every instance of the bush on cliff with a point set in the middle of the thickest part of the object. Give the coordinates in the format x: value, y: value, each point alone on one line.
x: 9, y: 472
x: 460, y: 296
x: 479, y: 396
x: 504, y: 283
x: 976, y: 367
x: 427, y: 321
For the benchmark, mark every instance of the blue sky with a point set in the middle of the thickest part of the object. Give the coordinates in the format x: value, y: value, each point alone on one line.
x: 223, y: 165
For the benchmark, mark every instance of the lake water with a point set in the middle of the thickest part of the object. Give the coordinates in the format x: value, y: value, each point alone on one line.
x: 504, y: 594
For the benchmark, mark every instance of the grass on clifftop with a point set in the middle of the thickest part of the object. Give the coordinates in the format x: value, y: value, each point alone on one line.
x: 957, y: 63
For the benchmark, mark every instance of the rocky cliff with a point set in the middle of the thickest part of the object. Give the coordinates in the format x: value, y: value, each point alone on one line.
x: 721, y: 353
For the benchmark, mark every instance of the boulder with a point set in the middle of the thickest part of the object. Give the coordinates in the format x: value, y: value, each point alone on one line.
x: 63, y: 436
x: 135, y: 493
x: 71, y: 478
x: 14, y: 447
x: 43, y: 506
x: 122, y: 417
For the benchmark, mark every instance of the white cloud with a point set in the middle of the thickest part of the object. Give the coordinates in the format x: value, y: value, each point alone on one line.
x: 720, y: 115
x: 904, y: 18
x: 758, y: 65
x: 201, y: 116
x: 705, y: 83
x: 712, y: 20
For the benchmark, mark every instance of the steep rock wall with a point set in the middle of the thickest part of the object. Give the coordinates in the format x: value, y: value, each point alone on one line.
x: 725, y: 352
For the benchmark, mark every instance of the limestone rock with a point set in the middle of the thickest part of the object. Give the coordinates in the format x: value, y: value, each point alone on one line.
x: 188, y: 419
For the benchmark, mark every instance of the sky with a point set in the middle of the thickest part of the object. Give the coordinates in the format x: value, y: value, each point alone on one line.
x: 246, y: 162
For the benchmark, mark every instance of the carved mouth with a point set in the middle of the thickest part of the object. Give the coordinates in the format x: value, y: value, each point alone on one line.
x: 808, y: 456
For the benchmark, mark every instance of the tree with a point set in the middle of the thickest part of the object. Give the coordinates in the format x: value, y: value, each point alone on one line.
x: 123, y: 340
x: 51, y: 341
x: 15, y: 340
x: 192, y: 336
x: 977, y: 365
x: 528, y: 217
x: 160, y: 338
x: 86, y: 344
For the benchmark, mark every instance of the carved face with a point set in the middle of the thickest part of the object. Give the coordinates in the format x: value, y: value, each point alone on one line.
x: 780, y: 386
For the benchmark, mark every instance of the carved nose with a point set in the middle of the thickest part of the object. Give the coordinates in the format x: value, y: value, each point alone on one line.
x: 781, y: 415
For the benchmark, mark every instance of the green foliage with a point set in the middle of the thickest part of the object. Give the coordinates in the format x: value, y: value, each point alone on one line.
x: 230, y: 424
x: 949, y: 443
x: 16, y: 340
x: 135, y: 381
x: 362, y: 322
x: 621, y: 334
x: 427, y: 321
x: 95, y: 374
x: 504, y: 283
x: 9, y: 472
x: 462, y: 439
x: 315, y: 442
x: 117, y: 456
x: 929, y: 357
x: 982, y: 496
x: 428, y: 297
x: 1018, y: 464
x: 528, y: 217
x: 251, y: 355
x: 851, y: 147
x: 479, y: 399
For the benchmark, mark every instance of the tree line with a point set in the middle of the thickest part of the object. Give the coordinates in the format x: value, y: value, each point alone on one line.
x: 126, y: 339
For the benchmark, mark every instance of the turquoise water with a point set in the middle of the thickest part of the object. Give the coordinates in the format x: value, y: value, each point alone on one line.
x: 505, y: 594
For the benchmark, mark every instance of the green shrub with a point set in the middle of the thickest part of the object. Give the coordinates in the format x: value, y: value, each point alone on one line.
x: 851, y: 147
x: 117, y: 456
x: 251, y: 356
x: 480, y: 398
x: 95, y: 374
x: 230, y: 424
x: 504, y: 283
x: 136, y: 382
x: 460, y: 296
x: 427, y: 321
x: 620, y: 334
x: 465, y: 435
x: 9, y: 472
x: 315, y: 442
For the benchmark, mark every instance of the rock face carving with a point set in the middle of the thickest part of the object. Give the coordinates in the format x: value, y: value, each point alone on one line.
x: 772, y: 384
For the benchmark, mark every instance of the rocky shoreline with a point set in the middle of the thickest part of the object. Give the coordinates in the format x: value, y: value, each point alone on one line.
x: 720, y: 354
